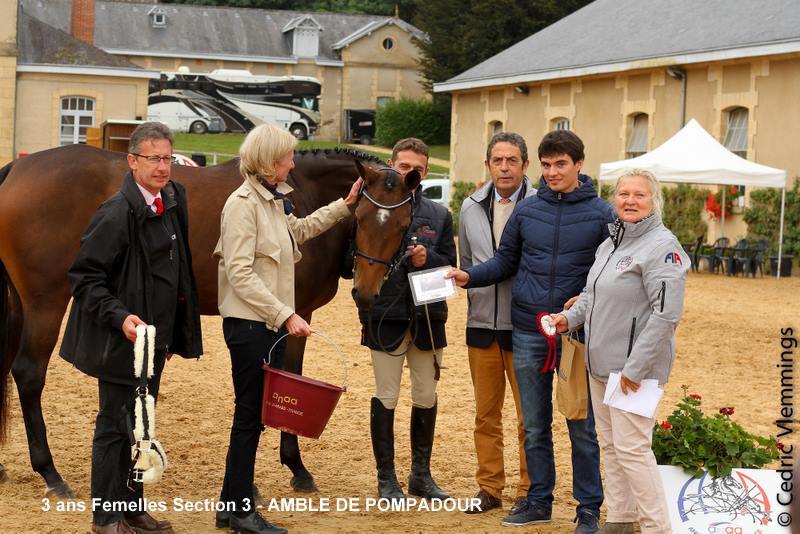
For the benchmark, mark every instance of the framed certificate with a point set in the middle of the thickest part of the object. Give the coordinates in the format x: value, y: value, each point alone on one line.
x: 430, y: 285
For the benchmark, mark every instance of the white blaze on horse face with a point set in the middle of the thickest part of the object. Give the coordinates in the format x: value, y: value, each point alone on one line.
x: 382, y: 216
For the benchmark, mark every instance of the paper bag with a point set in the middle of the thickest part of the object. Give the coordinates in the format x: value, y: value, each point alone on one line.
x: 572, y: 390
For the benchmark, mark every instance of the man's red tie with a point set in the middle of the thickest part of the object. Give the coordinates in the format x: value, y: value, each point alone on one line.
x: 505, y: 201
x: 159, y: 206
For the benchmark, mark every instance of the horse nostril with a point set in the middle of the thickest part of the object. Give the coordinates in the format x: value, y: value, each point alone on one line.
x: 375, y: 297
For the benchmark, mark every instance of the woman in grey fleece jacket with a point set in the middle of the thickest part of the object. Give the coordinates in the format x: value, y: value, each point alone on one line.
x: 630, y: 309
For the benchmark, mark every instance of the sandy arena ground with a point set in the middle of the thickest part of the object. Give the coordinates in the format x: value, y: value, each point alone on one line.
x: 728, y: 346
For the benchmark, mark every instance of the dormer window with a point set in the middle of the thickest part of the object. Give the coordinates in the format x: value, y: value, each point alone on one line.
x: 305, y: 35
x: 158, y: 17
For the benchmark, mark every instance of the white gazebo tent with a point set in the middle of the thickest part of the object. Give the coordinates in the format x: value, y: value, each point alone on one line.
x: 693, y: 156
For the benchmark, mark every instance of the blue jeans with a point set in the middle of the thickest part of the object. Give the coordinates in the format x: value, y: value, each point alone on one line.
x: 536, y: 393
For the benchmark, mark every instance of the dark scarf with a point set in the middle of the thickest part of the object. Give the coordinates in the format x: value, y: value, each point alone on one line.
x: 288, y: 207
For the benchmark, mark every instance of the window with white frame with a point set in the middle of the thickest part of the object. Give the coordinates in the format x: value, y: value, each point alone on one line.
x: 736, y: 136
x: 560, y: 123
x: 637, y: 140
x: 77, y: 114
x: 158, y: 17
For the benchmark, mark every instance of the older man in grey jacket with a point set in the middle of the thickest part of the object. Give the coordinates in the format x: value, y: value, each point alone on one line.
x: 483, y: 217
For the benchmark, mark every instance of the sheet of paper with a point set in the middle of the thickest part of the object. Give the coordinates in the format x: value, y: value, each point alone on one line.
x: 643, y: 402
x: 430, y: 285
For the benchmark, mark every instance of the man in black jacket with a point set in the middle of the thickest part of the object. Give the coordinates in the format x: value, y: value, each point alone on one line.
x: 395, y: 330
x: 133, y: 268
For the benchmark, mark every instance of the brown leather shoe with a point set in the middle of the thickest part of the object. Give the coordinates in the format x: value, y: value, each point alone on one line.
x: 486, y: 503
x: 147, y: 524
x: 117, y: 527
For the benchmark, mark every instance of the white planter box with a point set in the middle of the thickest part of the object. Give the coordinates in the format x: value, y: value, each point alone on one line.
x: 746, y: 502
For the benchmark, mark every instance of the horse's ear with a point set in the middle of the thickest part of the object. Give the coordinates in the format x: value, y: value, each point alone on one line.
x: 367, y: 173
x: 412, y: 179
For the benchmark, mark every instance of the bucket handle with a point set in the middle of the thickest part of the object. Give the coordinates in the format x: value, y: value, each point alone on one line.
x: 325, y: 338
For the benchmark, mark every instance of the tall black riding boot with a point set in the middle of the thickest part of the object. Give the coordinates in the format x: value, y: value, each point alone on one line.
x: 382, y: 429
x: 420, y: 482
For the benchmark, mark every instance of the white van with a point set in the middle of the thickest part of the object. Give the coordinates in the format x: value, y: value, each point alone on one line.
x: 438, y: 190
x: 180, y: 116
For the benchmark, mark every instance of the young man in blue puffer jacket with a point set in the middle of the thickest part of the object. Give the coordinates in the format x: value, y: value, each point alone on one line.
x: 549, y: 243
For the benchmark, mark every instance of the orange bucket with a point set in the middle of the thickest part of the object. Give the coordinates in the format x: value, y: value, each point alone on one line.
x: 299, y: 404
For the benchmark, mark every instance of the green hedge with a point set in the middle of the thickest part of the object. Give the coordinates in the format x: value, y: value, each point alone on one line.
x: 428, y: 120
x: 763, y: 218
x: 683, y: 211
x: 459, y: 191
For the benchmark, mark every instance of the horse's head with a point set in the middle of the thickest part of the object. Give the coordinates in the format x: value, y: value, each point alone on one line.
x: 383, y: 215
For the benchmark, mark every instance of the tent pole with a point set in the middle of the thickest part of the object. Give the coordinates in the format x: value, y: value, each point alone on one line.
x: 722, y: 230
x: 780, y: 233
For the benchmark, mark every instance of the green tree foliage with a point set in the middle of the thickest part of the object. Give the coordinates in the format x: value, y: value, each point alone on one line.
x: 402, y: 118
x: 464, y: 33
x: 407, y: 8
x: 763, y: 218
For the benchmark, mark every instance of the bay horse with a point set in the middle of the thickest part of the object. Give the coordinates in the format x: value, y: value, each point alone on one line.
x: 46, y: 202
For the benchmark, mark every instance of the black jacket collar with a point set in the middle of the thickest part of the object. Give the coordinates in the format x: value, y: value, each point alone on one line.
x: 134, y: 196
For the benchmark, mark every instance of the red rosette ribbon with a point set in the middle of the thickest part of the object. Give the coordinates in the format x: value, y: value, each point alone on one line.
x: 550, y: 337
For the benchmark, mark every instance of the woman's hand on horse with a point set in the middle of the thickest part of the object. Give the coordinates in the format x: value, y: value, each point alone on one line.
x: 352, y: 196
x: 559, y: 321
x: 459, y: 277
x: 297, y: 326
x: 418, y: 255
x: 129, y: 327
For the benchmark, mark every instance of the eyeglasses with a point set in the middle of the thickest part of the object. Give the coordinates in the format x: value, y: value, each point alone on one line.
x: 512, y: 161
x: 168, y: 160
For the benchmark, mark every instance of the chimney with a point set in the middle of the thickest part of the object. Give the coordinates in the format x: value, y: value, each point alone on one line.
x: 83, y: 20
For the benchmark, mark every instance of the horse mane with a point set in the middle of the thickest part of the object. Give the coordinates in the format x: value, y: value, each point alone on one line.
x: 344, y: 151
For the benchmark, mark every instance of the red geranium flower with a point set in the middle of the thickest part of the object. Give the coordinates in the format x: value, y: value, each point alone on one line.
x: 779, y: 445
x: 728, y: 410
x: 712, y: 206
x: 695, y: 396
x: 665, y: 424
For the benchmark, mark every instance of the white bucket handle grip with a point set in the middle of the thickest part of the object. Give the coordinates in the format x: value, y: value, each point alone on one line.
x: 325, y: 338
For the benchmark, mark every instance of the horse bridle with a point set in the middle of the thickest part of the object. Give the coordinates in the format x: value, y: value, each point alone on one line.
x: 397, y: 260
x: 401, y: 254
